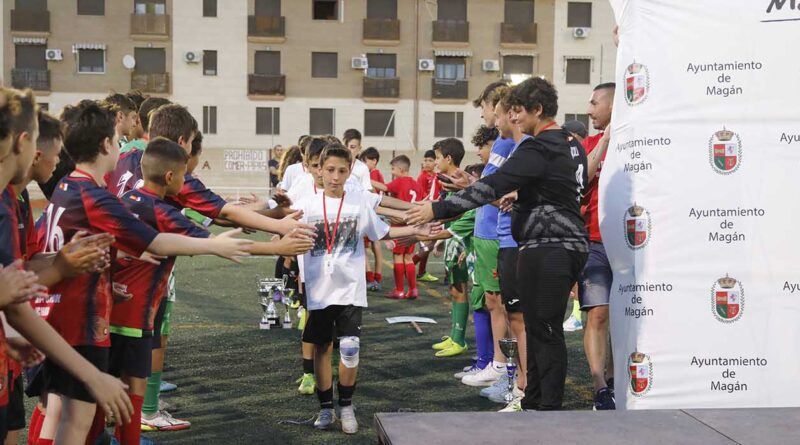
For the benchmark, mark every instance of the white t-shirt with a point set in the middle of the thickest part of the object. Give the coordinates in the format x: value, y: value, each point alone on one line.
x: 292, y: 174
x: 361, y: 174
x: 339, y: 278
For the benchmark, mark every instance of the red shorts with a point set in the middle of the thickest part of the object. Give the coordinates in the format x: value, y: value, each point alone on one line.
x: 367, y: 242
x: 403, y: 250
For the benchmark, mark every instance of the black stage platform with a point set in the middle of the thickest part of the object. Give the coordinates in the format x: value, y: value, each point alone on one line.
x: 685, y: 427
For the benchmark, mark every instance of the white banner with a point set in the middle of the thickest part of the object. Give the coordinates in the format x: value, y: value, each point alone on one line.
x: 246, y: 160
x: 696, y: 204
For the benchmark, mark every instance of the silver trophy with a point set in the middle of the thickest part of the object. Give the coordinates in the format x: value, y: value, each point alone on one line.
x: 270, y: 291
x: 510, y: 349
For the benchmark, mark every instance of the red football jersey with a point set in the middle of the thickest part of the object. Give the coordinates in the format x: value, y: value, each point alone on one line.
x: 147, y: 282
x: 9, y: 252
x: 430, y: 186
x: 376, y: 176
x: 591, y: 196
x: 82, y: 304
x: 406, y: 189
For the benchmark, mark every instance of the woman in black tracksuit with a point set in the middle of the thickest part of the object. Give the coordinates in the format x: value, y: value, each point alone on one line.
x: 549, y: 172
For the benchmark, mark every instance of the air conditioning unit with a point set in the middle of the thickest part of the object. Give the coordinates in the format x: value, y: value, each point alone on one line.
x: 580, y: 33
x: 491, y: 65
x: 193, y: 57
x: 358, y: 63
x: 53, y: 54
x: 425, y: 65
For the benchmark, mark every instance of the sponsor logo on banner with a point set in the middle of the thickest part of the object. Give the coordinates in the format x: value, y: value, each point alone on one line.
x: 637, y: 227
x: 725, y: 152
x: 640, y: 373
x: 637, y: 83
x: 727, y: 299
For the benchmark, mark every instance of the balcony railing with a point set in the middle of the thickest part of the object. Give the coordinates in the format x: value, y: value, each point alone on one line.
x: 150, y: 25
x: 266, y: 26
x: 150, y: 83
x: 524, y: 33
x: 449, y: 88
x: 381, y: 29
x: 38, y: 80
x: 381, y: 87
x: 266, y: 84
x: 30, y: 21
x: 450, y: 31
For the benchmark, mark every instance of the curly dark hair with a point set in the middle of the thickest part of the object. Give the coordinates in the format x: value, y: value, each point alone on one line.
x: 536, y: 93
x: 88, y: 124
x: 484, y: 135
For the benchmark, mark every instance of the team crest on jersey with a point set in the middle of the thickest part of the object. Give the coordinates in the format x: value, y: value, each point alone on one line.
x: 122, y: 181
x: 725, y: 152
x: 136, y: 197
x: 637, y: 227
x: 727, y: 299
x: 100, y: 329
x: 63, y: 186
x: 637, y: 83
x: 640, y: 373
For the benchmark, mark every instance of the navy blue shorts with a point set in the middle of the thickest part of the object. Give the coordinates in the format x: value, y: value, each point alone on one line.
x: 594, y: 286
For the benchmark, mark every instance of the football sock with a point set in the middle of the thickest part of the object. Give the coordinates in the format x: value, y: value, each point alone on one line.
x: 576, y: 309
x: 131, y: 432
x: 460, y: 314
x: 423, y: 263
x: 98, y: 425
x: 378, y: 277
x: 308, y: 366
x: 411, y: 275
x: 370, y: 277
x: 325, y: 398
x: 484, y: 343
x: 44, y: 441
x: 150, y: 405
x: 399, y: 271
x: 37, y: 419
x: 345, y: 394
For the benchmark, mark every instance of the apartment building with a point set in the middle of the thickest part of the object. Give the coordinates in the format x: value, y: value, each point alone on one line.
x: 256, y: 73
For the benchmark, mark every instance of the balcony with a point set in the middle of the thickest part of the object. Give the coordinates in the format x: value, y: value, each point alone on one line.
x: 266, y: 85
x: 449, y: 88
x: 381, y: 87
x: 38, y: 80
x: 451, y: 31
x: 150, y: 26
x: 518, y: 33
x: 266, y: 28
x: 150, y: 83
x: 381, y: 30
x: 30, y: 21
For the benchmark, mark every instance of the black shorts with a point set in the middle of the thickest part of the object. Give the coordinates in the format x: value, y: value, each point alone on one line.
x: 507, y: 274
x: 155, y: 340
x: 59, y: 381
x: 345, y: 320
x: 35, y: 381
x: 15, y: 413
x: 130, y: 356
x: 3, y: 429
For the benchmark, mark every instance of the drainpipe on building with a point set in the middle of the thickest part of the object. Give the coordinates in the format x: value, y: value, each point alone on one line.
x: 416, y: 75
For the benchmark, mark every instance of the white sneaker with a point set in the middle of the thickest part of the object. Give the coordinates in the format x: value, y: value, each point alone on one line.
x: 501, y: 385
x: 472, y: 369
x: 572, y: 324
x: 325, y: 419
x: 485, y: 377
x: 517, y: 394
x: 347, y: 416
x: 514, y: 407
x: 163, y: 421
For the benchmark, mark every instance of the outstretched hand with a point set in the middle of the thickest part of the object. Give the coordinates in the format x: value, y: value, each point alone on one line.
x: 507, y: 201
x: 226, y: 246
x: 459, y: 180
x: 294, y: 243
x: 291, y: 222
x: 428, y: 230
x: 420, y: 214
x: 111, y: 396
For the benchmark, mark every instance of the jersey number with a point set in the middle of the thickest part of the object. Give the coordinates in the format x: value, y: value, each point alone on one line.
x: 55, y: 236
x: 579, y: 179
x: 413, y: 194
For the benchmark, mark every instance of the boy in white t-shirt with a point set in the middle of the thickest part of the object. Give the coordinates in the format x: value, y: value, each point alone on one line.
x: 334, y: 272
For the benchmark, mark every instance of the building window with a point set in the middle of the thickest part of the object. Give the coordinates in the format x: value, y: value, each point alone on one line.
x: 382, y: 65
x: 268, y: 120
x: 326, y: 9
x: 268, y: 8
x: 452, y: 10
x: 30, y: 5
x: 209, y: 63
x: 379, y: 123
x: 321, y: 121
x: 324, y: 65
x: 579, y: 15
x: 209, y: 8
x: 382, y: 9
x: 268, y: 63
x: 518, y: 11
x: 451, y: 68
x: 30, y: 57
x: 448, y: 124
x: 209, y: 120
x: 582, y: 118
x: 150, y: 60
x: 91, y: 7
x: 92, y: 61
x: 517, y: 65
x: 158, y: 7
x: 579, y: 71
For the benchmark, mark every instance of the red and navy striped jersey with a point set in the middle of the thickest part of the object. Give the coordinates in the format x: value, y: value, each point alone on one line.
x: 9, y: 252
x: 82, y: 304
x: 145, y: 281
x: 194, y: 194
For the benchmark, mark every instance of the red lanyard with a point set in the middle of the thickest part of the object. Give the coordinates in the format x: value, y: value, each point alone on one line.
x: 551, y: 124
x: 329, y: 240
x: 77, y: 170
